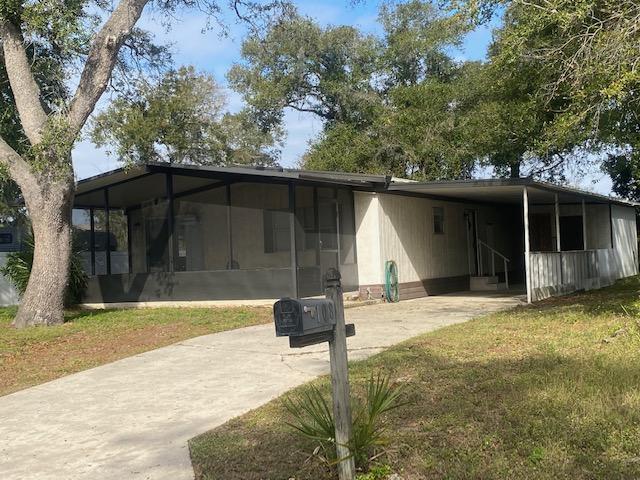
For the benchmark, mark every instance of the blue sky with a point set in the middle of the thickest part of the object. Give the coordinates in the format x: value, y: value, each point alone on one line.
x: 210, y: 52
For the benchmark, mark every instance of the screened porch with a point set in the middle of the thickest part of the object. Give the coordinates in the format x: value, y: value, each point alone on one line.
x: 187, y: 234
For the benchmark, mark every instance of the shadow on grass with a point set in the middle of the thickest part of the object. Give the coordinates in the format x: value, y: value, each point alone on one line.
x: 538, y: 416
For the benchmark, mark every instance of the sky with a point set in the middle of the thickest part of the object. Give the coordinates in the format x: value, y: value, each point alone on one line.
x: 209, y: 51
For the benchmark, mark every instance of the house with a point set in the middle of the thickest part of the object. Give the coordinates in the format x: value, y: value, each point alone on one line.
x: 178, y: 233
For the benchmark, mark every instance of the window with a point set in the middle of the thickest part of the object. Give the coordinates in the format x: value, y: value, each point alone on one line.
x: 276, y: 231
x: 438, y: 220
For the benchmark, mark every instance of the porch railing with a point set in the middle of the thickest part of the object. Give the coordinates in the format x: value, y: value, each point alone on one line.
x: 493, y: 253
x: 557, y: 273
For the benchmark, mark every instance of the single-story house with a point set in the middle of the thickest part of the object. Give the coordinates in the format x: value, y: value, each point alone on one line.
x: 163, y: 232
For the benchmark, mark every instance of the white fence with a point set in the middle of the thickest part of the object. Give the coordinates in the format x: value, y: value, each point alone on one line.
x: 558, y: 273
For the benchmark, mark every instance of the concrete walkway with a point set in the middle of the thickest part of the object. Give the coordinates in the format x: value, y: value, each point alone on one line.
x: 131, y: 419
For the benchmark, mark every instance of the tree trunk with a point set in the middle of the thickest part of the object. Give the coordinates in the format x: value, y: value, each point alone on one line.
x: 514, y: 170
x: 49, y: 208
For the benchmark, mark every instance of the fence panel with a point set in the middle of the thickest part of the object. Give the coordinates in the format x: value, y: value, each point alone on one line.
x: 557, y: 273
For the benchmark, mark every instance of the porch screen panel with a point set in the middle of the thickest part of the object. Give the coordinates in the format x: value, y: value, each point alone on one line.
x: 81, y: 222
x: 260, y: 228
x: 118, y: 241
x: 201, y: 229
x: 150, y: 237
x: 139, y: 225
x: 101, y: 240
x: 347, y: 240
x: 307, y: 243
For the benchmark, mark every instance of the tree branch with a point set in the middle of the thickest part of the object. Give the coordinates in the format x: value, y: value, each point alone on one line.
x: 24, y: 87
x: 18, y: 168
x: 102, y: 59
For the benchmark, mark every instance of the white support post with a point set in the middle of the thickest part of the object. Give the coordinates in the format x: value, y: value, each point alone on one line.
x: 493, y: 263
x: 584, y: 225
x: 527, y: 256
x: 506, y: 274
x: 557, y: 211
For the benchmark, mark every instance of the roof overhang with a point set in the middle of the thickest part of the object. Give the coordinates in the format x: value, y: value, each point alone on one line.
x: 133, y: 185
x: 504, y: 191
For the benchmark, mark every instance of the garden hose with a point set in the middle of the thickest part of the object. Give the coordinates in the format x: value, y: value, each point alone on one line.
x: 391, y: 290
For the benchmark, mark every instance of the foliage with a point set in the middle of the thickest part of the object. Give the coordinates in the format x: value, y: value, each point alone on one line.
x: 18, y: 269
x: 180, y: 119
x: 624, y: 170
x: 313, y: 419
x: 418, y: 36
x: 376, y: 472
x: 585, y: 53
x: 300, y: 65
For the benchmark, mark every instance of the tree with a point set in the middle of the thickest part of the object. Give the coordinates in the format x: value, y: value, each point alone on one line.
x: 417, y: 40
x: 49, y: 122
x: 299, y: 65
x: 374, y: 94
x: 180, y: 119
x: 587, y: 52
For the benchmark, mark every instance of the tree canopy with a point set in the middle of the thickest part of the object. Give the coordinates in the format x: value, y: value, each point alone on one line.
x: 557, y: 90
x: 181, y: 119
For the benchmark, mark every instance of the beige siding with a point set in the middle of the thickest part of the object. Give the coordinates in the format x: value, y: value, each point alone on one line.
x: 367, y: 215
x: 400, y: 228
x: 625, y: 240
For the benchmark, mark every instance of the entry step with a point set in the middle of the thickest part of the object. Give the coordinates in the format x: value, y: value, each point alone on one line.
x: 478, y: 284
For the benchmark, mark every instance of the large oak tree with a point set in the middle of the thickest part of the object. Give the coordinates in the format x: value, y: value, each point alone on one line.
x: 36, y: 151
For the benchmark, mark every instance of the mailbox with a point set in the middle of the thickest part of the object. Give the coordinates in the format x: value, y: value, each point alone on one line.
x: 296, y: 318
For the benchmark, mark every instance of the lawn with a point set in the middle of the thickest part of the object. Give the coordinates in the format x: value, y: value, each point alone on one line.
x: 546, y: 391
x: 91, y: 338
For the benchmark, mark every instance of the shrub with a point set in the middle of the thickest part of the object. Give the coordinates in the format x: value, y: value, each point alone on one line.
x: 18, y: 270
x: 313, y: 418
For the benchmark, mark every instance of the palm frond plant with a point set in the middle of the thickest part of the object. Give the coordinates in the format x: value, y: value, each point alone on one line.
x: 312, y: 415
x: 18, y: 269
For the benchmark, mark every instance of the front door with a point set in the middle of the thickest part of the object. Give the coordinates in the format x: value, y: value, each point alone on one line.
x: 472, y: 253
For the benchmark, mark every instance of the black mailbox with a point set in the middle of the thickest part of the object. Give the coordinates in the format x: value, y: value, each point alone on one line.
x: 295, y: 318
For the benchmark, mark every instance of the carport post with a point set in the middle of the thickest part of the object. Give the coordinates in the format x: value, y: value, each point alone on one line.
x: 527, y: 259
x: 557, y: 209
x: 611, y: 225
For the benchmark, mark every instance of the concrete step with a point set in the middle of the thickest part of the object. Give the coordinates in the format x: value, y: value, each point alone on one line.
x: 486, y: 283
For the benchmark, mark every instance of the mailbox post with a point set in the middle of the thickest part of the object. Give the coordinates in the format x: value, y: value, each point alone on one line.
x: 340, y: 379
x: 312, y: 321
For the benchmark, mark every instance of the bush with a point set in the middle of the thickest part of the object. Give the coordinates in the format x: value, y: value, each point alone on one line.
x: 18, y: 270
x: 313, y: 418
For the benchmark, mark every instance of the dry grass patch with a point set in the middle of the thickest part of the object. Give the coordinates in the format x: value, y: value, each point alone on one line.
x: 91, y: 338
x: 550, y: 391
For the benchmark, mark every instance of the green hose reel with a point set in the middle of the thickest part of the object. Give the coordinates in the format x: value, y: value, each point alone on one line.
x: 391, y: 289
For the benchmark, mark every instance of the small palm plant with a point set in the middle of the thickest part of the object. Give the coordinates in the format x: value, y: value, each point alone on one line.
x: 313, y: 418
x: 18, y: 269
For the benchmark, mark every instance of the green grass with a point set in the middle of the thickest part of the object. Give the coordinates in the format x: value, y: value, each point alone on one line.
x: 550, y: 391
x: 90, y: 338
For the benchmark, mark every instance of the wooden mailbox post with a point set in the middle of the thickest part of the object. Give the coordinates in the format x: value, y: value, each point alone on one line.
x: 309, y: 322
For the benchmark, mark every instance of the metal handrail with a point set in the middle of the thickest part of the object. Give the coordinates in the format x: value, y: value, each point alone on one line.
x: 494, y: 252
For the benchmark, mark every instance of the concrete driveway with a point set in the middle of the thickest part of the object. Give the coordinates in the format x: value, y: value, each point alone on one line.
x: 131, y: 419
